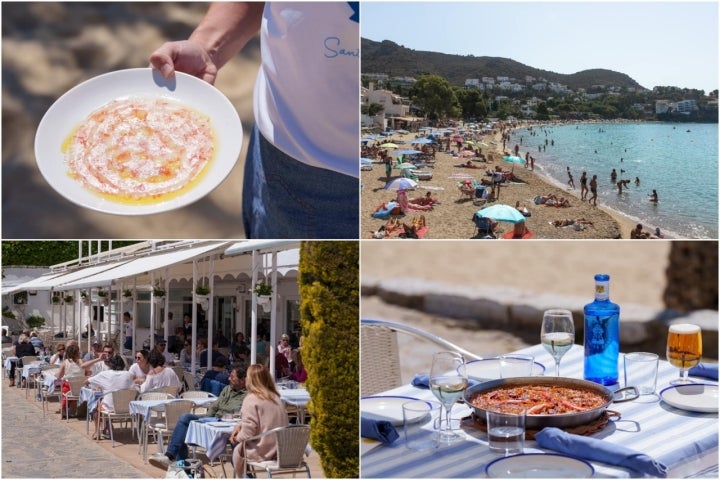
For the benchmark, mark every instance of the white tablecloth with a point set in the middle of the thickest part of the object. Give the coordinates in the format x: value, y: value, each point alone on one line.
x: 143, y: 408
x: 212, y: 436
x: 31, y: 369
x: 686, y: 442
x: 9, y: 361
x: 90, y: 396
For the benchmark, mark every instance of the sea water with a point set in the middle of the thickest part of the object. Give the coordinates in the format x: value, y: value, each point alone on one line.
x: 679, y: 160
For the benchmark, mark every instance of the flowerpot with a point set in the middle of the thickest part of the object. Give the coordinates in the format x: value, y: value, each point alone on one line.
x: 202, y: 300
x: 265, y: 303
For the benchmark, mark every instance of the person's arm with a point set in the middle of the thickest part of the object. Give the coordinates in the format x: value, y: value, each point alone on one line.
x: 223, y: 32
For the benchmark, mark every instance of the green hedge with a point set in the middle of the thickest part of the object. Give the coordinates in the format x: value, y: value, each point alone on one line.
x: 329, y: 313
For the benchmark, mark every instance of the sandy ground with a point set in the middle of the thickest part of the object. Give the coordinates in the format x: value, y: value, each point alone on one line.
x: 452, y: 219
x: 48, y: 48
x: 636, y: 269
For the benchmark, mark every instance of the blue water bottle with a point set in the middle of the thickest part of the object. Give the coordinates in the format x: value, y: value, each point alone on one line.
x: 602, y: 335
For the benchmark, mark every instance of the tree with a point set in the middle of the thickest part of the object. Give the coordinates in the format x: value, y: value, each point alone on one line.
x: 435, y: 96
x: 46, y: 253
x: 329, y: 312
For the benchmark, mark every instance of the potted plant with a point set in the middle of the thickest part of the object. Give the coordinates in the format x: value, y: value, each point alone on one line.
x: 262, y: 289
x: 102, y: 293
x: 84, y: 297
x: 158, y: 292
x: 263, y: 292
x: 56, y: 299
x: 35, y: 321
x: 68, y: 299
x: 127, y: 293
x: 202, y: 290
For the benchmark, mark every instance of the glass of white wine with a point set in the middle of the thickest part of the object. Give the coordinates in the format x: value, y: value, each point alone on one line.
x: 448, y: 381
x: 557, y: 334
x: 684, y: 349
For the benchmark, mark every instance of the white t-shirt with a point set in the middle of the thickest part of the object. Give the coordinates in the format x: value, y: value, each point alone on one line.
x: 166, y: 378
x: 109, y: 381
x: 128, y: 328
x: 308, y: 89
x: 136, y: 371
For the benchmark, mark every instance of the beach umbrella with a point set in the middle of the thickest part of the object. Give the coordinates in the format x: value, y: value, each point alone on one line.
x: 403, y: 166
x: 458, y: 139
x: 402, y: 131
x: 402, y: 182
x: 502, y: 213
x: 421, y: 141
x: 365, y: 160
x: 470, y: 142
x: 388, y: 145
x: 514, y: 159
x: 407, y: 152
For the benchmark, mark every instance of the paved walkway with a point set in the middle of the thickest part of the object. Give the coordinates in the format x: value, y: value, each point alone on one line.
x: 37, y: 447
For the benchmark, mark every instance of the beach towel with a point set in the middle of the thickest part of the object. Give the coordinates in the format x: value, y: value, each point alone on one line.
x: 384, y: 211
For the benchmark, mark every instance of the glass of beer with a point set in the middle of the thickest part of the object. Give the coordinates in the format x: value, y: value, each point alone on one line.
x: 684, y: 349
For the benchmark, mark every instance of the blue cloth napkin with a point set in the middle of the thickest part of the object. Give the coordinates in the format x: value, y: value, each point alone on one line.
x: 706, y: 370
x: 378, y: 430
x: 422, y: 380
x: 598, y: 450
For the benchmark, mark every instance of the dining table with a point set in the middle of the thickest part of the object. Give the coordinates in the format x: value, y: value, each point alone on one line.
x: 210, y: 433
x: 143, y: 409
x: 683, y: 440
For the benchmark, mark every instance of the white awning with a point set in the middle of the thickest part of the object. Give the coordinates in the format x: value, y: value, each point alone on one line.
x: 263, y: 246
x: 145, y: 264
x: 48, y: 282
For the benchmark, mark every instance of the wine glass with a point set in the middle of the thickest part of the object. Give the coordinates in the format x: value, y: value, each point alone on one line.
x: 557, y: 334
x: 448, y: 381
x: 684, y: 349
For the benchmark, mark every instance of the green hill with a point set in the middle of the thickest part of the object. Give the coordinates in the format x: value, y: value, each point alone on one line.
x: 398, y: 61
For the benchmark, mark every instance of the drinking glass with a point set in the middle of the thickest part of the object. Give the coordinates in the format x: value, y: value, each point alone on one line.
x: 684, y: 349
x: 557, y: 334
x: 448, y: 381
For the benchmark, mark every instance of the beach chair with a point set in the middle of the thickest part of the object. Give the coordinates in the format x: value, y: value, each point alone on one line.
x: 483, y: 227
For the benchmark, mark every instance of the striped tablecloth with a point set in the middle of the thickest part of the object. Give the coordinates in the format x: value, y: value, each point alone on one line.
x: 143, y: 408
x: 686, y: 442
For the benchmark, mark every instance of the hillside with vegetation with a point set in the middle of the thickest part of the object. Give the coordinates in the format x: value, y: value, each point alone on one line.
x: 397, y: 61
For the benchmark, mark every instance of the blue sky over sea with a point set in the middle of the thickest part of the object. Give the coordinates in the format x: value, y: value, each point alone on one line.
x: 655, y: 43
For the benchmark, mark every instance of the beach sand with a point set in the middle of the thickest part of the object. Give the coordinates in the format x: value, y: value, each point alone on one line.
x: 636, y: 269
x: 452, y: 219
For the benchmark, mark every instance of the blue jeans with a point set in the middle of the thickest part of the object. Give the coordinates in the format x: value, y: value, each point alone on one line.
x: 177, y: 448
x: 283, y: 198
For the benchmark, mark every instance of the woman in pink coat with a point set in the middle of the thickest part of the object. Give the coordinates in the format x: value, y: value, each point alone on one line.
x: 262, y: 410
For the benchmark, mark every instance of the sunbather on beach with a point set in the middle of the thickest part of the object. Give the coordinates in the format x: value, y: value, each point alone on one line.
x: 426, y: 200
x: 637, y: 232
x: 405, y: 205
x: 570, y: 221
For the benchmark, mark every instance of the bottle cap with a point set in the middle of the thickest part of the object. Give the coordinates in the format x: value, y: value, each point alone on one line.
x: 602, y: 277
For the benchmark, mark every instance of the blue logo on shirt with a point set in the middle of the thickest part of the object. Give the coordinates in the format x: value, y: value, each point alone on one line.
x: 333, y: 49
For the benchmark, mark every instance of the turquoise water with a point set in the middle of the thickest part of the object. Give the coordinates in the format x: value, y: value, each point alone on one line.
x: 679, y: 160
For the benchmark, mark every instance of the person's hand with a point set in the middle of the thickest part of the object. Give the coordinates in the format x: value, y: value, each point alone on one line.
x: 184, y: 56
x: 235, y: 431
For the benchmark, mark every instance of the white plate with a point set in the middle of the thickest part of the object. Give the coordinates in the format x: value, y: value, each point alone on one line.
x: 386, y: 408
x: 695, y: 397
x: 539, y: 465
x: 76, y: 104
x: 489, y: 369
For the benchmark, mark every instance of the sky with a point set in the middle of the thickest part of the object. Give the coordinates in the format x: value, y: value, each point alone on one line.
x: 655, y: 43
